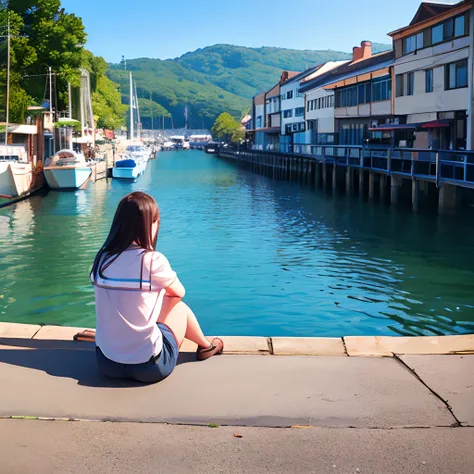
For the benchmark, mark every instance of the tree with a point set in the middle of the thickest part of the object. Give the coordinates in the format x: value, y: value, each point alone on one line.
x: 227, y: 129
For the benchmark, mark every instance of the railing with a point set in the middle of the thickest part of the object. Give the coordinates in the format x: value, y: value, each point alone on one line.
x: 437, y: 165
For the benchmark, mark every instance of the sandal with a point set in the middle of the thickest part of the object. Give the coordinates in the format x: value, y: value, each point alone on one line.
x: 87, y: 335
x: 217, y: 347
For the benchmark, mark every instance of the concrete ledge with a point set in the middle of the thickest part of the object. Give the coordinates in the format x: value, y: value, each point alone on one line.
x: 57, y: 333
x: 356, y: 346
x: 234, y: 345
x: 386, y: 346
x: 22, y: 331
x: 311, y: 346
x: 245, y: 345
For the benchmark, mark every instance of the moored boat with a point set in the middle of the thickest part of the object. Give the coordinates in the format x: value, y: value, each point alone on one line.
x: 16, y: 172
x: 134, y: 163
x: 67, y: 170
x: 128, y: 169
x: 211, y: 147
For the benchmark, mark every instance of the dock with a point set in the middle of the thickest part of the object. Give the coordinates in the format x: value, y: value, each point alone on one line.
x: 387, y: 175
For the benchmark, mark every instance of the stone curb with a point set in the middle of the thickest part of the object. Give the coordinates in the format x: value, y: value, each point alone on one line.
x: 353, y: 346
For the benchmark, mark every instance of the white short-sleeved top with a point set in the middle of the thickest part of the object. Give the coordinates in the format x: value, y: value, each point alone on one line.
x: 129, y: 294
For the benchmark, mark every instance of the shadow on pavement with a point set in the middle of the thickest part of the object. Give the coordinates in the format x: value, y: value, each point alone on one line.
x: 68, y: 359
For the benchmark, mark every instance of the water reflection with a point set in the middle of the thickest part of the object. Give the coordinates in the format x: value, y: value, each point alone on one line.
x: 258, y: 257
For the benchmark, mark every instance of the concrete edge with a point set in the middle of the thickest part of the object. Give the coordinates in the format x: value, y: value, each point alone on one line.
x: 352, y: 346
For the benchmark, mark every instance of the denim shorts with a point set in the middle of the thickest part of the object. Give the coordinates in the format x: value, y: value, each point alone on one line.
x: 153, y: 371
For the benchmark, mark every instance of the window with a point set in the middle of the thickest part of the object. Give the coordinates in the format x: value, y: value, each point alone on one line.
x: 382, y: 90
x: 307, y: 106
x: 456, y: 75
x: 368, y: 95
x: 448, y: 29
x: 459, y: 26
x: 429, y: 80
x: 331, y: 101
x: 299, y: 112
x: 259, y: 122
x: 361, y: 93
x: 312, y: 105
x: 399, y: 85
x: 410, y: 83
x: 412, y: 43
x: 288, y: 113
x: 289, y: 95
x: 437, y: 34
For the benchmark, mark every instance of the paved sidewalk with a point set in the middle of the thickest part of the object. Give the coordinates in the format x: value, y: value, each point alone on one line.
x: 59, y: 379
x: 52, y: 447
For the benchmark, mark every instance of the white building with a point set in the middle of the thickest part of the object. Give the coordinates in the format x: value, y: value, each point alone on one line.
x: 433, y: 76
x: 294, y: 128
x: 319, y: 104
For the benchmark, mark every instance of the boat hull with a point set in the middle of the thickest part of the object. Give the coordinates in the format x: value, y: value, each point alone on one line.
x: 128, y: 173
x: 15, y: 179
x: 67, y: 178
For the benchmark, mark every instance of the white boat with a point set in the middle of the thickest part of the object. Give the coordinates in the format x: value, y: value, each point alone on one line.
x: 128, y: 169
x: 133, y: 164
x: 167, y: 145
x: 16, y: 171
x: 199, y: 141
x: 67, y: 170
x: 179, y: 142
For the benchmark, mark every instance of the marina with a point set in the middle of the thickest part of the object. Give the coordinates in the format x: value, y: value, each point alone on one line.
x: 351, y: 266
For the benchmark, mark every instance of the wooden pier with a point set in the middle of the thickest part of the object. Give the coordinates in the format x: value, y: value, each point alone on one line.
x: 388, y: 175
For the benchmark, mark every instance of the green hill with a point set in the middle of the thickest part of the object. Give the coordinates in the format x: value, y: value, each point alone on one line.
x: 212, y: 80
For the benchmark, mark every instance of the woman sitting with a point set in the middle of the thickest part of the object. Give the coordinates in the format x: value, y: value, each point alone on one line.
x: 141, y: 318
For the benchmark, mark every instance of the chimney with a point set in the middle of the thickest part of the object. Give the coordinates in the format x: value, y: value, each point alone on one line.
x: 364, y: 51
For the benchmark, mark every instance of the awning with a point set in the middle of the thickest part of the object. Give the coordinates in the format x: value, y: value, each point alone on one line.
x: 394, y: 126
x: 442, y: 123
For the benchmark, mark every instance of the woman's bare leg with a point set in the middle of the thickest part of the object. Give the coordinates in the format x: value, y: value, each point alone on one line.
x: 179, y: 317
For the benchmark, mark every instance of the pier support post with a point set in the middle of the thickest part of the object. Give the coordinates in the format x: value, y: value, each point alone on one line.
x: 448, y: 199
x: 415, y: 194
x: 349, y: 173
x: 317, y: 174
x: 395, y: 185
x: 361, y: 182
x: 334, y: 178
x: 383, y: 187
x: 371, y: 184
x: 325, y: 177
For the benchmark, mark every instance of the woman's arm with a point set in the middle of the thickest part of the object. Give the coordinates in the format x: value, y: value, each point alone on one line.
x: 176, y: 289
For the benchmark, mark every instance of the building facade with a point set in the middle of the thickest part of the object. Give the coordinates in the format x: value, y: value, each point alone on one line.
x: 433, y: 76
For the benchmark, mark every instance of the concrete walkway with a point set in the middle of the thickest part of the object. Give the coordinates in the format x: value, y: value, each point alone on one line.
x: 315, y: 414
x: 100, y: 448
x: 59, y: 379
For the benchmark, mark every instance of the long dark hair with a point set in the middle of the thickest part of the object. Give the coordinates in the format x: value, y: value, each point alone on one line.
x: 132, y: 224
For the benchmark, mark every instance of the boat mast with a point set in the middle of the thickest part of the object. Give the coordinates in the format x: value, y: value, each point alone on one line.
x: 139, y: 123
x: 132, y: 131
x: 7, y: 111
x: 152, y: 117
x: 69, y: 104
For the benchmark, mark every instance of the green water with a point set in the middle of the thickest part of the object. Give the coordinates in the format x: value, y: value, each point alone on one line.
x: 257, y: 257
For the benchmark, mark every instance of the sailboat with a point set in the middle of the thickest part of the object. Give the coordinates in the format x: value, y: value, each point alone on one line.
x: 133, y: 165
x: 68, y: 169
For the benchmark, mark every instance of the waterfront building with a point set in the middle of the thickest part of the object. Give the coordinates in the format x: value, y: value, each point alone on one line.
x: 263, y: 130
x: 355, y: 97
x: 433, y: 77
x: 295, y: 127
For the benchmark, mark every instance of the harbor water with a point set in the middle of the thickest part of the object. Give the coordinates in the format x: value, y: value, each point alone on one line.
x: 257, y: 256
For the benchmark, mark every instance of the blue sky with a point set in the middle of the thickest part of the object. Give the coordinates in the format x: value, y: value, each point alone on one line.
x: 166, y: 29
